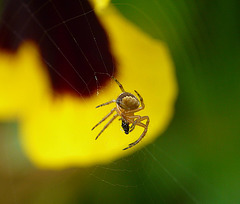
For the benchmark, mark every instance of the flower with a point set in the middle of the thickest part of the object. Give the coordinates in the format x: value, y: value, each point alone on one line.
x: 55, y: 105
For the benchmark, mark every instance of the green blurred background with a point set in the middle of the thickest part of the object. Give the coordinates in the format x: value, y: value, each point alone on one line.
x: 197, y: 160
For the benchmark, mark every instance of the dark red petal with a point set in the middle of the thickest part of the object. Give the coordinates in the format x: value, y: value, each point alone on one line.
x: 73, y: 43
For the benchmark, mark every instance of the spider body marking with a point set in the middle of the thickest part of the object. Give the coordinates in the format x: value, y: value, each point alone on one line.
x: 126, y: 105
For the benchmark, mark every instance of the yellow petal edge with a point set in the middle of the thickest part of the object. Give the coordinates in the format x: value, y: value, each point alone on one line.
x: 56, y: 131
x: 100, y: 5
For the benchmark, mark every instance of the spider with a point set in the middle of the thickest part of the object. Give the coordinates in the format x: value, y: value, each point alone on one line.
x: 126, y: 105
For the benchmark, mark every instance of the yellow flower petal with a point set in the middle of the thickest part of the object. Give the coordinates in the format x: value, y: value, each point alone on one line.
x: 56, y: 131
x: 23, y: 81
x: 99, y: 5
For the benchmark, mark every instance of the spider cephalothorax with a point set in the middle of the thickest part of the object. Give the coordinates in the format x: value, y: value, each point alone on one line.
x: 126, y: 105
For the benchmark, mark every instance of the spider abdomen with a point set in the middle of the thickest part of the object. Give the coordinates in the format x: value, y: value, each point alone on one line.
x: 127, y: 101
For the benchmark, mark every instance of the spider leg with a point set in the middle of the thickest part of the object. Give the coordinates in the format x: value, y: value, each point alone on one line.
x: 110, y: 121
x: 133, y: 126
x: 105, y: 117
x: 104, y: 104
x: 119, y: 84
x: 145, y: 126
x: 141, y: 99
x: 137, y: 117
x: 140, y: 124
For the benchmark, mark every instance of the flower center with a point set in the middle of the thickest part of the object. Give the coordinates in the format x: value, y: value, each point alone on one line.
x: 73, y: 44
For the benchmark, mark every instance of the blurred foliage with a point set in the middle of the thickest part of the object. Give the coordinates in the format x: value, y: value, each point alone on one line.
x: 197, y: 158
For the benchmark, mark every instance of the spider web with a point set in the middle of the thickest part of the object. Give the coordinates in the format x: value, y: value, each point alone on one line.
x: 64, y: 24
x: 130, y: 176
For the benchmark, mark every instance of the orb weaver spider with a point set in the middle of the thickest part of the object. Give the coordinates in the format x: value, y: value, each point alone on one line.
x: 126, y: 105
